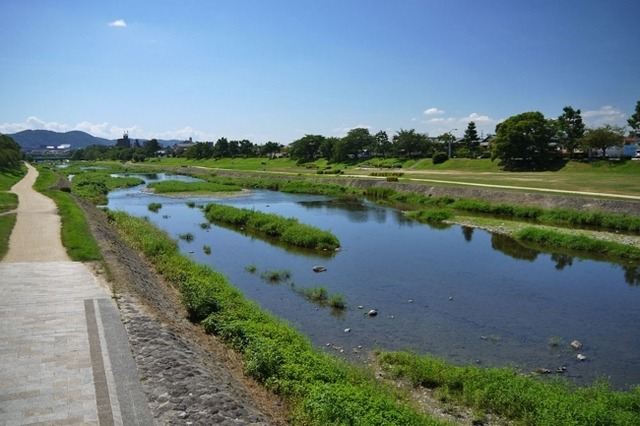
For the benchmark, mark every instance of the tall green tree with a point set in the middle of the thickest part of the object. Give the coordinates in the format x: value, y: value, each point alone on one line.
x: 221, y: 148
x: 306, y: 148
x: 634, y: 121
x: 382, y: 144
x: 570, y: 129
x: 151, y: 147
x: 603, y: 137
x: 358, y: 140
x: 471, y: 139
x: 522, y: 141
x: 409, y: 143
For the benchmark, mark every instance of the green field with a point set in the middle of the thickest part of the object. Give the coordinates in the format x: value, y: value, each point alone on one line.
x: 601, y: 176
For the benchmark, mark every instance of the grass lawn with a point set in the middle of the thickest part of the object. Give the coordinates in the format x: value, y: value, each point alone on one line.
x: 600, y: 176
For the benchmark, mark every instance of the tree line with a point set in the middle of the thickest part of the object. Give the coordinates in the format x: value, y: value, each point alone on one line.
x: 526, y: 140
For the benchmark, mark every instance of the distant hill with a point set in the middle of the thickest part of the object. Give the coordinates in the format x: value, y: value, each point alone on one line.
x: 35, y: 139
x: 39, y: 139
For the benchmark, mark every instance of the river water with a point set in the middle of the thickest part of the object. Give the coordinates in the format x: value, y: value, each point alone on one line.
x: 468, y: 296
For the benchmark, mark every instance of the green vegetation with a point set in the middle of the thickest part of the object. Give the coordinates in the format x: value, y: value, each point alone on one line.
x: 321, y: 296
x: 431, y: 215
x: 206, y: 249
x: 188, y: 237
x: 7, y: 221
x: 526, y: 400
x: 173, y: 186
x: 154, y: 207
x: 321, y: 389
x: 287, y: 230
x: 252, y: 269
x: 94, y: 186
x: 583, y: 243
x: 293, y: 186
x: 276, y: 277
x: 10, y: 155
x: 76, y: 234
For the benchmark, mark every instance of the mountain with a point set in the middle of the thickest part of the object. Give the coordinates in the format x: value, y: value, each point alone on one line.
x: 39, y: 139
x: 35, y: 139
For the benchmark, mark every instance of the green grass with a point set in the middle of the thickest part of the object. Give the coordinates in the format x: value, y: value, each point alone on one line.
x: 525, y: 400
x: 321, y: 296
x: 172, y: 186
x: 276, y: 276
x: 579, y: 243
x: 94, y: 186
x: 7, y: 222
x: 154, y: 207
x: 76, y: 233
x: 287, y: 230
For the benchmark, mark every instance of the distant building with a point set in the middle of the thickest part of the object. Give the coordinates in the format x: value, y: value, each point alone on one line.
x: 124, y: 142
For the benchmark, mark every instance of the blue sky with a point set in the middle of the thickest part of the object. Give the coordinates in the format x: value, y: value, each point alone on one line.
x: 277, y: 70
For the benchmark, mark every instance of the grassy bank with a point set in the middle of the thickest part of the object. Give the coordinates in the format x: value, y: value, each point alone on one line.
x: 8, y: 202
x: 322, y: 389
x: 76, y: 234
x: 526, y: 400
x: 95, y: 186
x: 287, y: 230
x: 193, y: 188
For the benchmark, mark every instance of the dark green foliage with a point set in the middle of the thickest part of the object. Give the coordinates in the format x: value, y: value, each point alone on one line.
x: 288, y: 230
x: 439, y: 157
x: 431, y: 215
x: 10, y: 154
x: 276, y: 277
x: 188, y: 237
x: 557, y: 240
x: 169, y: 186
x: 154, y: 207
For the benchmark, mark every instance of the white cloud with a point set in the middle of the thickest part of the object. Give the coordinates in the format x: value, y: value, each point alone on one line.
x: 605, y: 115
x: 478, y: 118
x: 343, y: 130
x: 118, y: 23
x: 433, y: 111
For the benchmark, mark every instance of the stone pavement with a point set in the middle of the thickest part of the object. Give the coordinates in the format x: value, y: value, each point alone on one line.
x: 64, y: 353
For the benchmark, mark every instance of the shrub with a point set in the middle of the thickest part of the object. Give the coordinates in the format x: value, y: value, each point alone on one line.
x: 154, y: 207
x: 431, y: 215
x: 439, y: 157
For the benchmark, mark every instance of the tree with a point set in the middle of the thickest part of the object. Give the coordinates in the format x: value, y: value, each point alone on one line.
x: 448, y: 139
x: 570, y: 129
x: 306, y: 148
x: 471, y: 139
x: 602, y: 138
x: 269, y: 149
x: 634, y: 121
x: 150, y: 147
x: 382, y: 143
x: 221, y: 148
x: 522, y: 141
x: 409, y: 143
x: 357, y: 141
x: 246, y: 148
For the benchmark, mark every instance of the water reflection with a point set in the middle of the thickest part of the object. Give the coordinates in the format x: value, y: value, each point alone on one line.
x: 512, y: 248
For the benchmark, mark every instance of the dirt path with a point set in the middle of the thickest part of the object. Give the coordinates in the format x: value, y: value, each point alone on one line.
x: 36, y: 235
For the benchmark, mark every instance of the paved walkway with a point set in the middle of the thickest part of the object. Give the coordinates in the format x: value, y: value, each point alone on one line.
x: 64, y: 353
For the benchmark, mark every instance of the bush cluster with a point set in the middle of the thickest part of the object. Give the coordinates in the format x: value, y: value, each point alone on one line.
x: 287, y: 230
